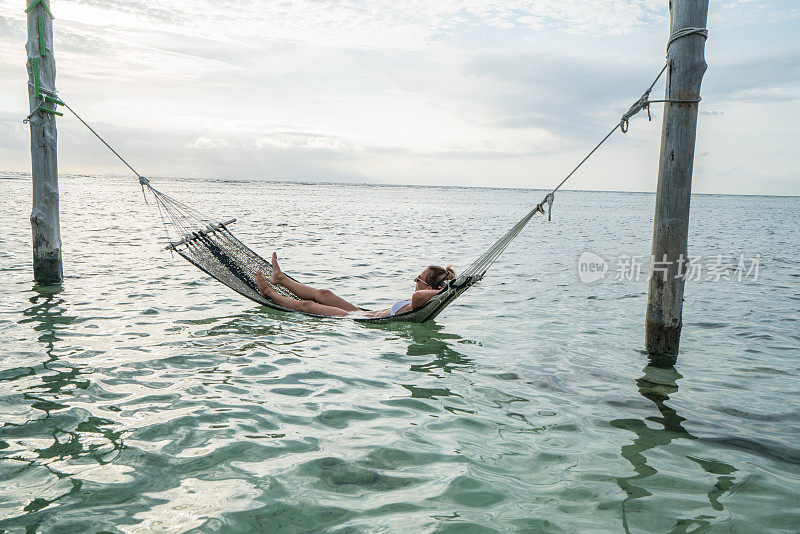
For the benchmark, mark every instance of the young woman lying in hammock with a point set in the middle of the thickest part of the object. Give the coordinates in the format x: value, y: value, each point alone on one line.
x: 324, y: 302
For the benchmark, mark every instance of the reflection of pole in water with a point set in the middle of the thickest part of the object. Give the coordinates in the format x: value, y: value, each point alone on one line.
x: 656, y: 385
x: 74, y: 433
x: 46, y: 317
x: 45, y: 314
x: 724, y: 480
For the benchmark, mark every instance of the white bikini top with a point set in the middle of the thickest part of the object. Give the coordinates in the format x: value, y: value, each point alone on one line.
x: 398, y: 305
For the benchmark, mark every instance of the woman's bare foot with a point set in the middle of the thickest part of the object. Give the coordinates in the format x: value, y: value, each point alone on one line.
x: 277, y: 275
x: 264, y: 288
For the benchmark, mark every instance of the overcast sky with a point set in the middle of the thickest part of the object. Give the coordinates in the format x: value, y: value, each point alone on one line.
x: 488, y: 93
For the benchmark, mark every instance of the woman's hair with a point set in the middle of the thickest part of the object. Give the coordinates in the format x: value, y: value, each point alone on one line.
x: 439, y: 275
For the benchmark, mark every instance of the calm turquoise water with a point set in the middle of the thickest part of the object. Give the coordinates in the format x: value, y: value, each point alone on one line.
x: 144, y: 397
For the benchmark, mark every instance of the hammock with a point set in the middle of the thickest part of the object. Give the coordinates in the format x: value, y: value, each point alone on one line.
x: 212, y: 248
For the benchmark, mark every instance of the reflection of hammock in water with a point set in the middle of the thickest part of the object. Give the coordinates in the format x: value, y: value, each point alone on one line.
x: 212, y: 248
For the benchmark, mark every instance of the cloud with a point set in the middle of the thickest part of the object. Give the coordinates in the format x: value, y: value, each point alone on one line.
x: 305, y: 141
x: 204, y: 143
x: 769, y: 78
x: 13, y: 134
x: 565, y: 95
x: 12, y: 28
x: 743, y: 12
x: 379, y: 24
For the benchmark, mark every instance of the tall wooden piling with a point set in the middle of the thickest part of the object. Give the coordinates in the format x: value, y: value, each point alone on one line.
x: 47, y: 268
x: 686, y: 66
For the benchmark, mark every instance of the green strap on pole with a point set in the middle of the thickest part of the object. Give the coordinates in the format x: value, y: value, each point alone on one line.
x: 51, y: 111
x: 42, y: 51
x: 36, y: 78
x: 45, y: 98
x: 44, y: 5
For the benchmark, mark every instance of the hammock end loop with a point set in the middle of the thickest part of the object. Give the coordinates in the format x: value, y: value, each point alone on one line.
x: 547, y: 200
x: 144, y: 182
x: 639, y: 105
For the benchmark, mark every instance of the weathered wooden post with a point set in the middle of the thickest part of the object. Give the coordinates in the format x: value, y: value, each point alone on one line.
x: 686, y: 66
x: 45, y: 224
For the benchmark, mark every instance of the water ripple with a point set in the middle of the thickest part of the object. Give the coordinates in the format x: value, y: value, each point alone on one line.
x: 144, y: 397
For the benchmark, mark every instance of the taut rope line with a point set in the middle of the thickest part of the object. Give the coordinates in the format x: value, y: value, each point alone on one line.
x: 55, y: 94
x: 643, y: 103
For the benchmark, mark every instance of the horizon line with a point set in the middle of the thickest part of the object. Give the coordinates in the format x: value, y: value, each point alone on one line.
x: 27, y: 174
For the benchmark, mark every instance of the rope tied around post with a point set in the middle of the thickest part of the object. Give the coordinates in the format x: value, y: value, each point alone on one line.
x: 683, y: 32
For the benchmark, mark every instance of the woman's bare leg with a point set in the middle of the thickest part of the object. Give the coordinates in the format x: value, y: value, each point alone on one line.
x: 321, y: 296
x: 307, y: 306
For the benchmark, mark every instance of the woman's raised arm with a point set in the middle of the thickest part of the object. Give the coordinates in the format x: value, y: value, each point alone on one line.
x: 421, y: 297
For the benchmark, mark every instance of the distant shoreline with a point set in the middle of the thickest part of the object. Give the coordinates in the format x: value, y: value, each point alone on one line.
x: 20, y: 175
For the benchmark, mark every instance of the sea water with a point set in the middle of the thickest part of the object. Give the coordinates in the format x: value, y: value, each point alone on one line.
x: 143, y: 396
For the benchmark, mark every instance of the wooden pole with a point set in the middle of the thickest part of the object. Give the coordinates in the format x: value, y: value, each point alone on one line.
x: 686, y: 59
x: 47, y: 268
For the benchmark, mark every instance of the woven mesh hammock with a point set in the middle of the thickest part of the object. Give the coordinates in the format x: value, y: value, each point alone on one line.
x: 213, y: 249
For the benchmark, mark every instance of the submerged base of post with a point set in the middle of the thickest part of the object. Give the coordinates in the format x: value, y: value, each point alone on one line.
x: 47, y: 268
x: 662, y: 343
